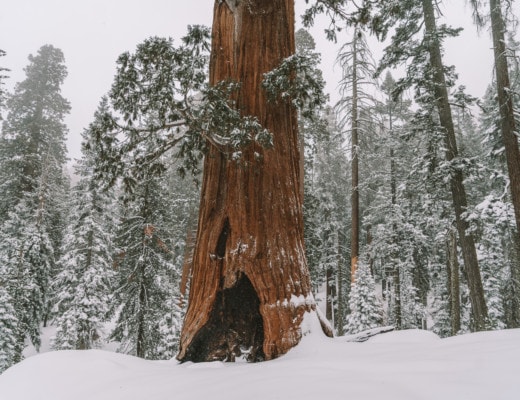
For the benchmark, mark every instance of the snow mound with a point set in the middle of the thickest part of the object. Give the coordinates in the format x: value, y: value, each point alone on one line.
x: 406, y: 365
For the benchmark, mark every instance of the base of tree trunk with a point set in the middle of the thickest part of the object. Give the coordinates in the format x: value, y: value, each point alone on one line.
x: 234, y: 329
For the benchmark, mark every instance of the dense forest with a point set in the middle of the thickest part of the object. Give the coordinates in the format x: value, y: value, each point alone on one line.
x: 411, y: 189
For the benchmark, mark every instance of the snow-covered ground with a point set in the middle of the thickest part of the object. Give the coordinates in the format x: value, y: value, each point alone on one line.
x: 414, y: 365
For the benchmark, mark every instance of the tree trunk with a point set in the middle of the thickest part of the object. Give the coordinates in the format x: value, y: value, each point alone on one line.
x: 453, y: 282
x: 354, y: 251
x: 476, y: 290
x: 398, y: 311
x: 330, y: 294
x: 340, y: 320
x: 513, y: 308
x: 507, y: 118
x: 250, y: 284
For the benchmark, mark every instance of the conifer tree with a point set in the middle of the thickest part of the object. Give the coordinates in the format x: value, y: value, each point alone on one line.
x: 496, y: 211
x: 330, y: 217
x: 431, y: 79
x: 82, y: 288
x: 33, y: 136
x: 358, y: 67
x: 366, y: 310
x: 146, y: 298
x: 499, y: 17
x: 32, y: 154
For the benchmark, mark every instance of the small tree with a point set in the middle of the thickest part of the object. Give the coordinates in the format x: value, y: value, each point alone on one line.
x: 366, y: 310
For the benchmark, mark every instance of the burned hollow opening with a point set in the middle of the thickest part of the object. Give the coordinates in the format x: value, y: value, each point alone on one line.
x: 234, y: 328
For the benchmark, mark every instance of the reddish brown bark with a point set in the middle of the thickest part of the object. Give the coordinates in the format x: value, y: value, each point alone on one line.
x: 250, y: 284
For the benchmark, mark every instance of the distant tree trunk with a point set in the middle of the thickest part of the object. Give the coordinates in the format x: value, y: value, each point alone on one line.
x: 329, y: 294
x: 476, y: 290
x: 250, y: 284
x: 354, y: 250
x: 398, y: 312
x: 453, y: 282
x: 507, y: 118
x: 513, y: 306
x: 369, y: 243
x: 340, y: 319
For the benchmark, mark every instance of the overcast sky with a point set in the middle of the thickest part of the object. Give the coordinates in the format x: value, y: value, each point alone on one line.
x: 92, y: 33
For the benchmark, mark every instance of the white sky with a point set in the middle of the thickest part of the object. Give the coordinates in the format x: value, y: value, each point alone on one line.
x: 93, y: 33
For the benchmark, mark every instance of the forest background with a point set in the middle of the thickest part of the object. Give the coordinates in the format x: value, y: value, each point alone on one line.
x: 408, y: 246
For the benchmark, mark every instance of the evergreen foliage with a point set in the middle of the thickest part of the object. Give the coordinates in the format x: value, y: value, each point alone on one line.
x: 366, y: 310
x: 146, y: 301
x: 9, y: 353
x: 82, y: 289
x: 32, y: 154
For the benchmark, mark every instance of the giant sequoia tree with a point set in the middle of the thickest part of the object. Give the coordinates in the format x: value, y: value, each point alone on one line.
x: 250, y: 284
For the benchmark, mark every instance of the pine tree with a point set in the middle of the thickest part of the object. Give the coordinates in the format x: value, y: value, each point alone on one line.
x: 32, y: 154
x: 329, y: 187
x: 366, y: 310
x: 145, y: 274
x: 358, y: 68
x: 507, y: 106
x: 33, y: 136
x: 82, y: 288
x: 431, y: 80
x: 495, y: 212
x: 146, y: 299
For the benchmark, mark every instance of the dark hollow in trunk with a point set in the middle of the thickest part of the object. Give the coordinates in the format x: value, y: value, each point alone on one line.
x: 234, y: 328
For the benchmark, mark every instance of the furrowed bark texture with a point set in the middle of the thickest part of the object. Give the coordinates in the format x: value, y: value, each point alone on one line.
x: 250, y: 284
x: 458, y: 192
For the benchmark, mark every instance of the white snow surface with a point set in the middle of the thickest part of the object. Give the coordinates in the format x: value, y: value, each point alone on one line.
x: 413, y: 364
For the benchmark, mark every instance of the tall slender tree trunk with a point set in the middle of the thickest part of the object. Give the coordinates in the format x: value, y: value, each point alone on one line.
x: 476, y: 290
x: 505, y: 102
x: 250, y: 285
x: 453, y: 282
x: 398, y: 312
x: 340, y: 320
x: 354, y: 243
x: 514, y: 318
x: 329, y: 294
